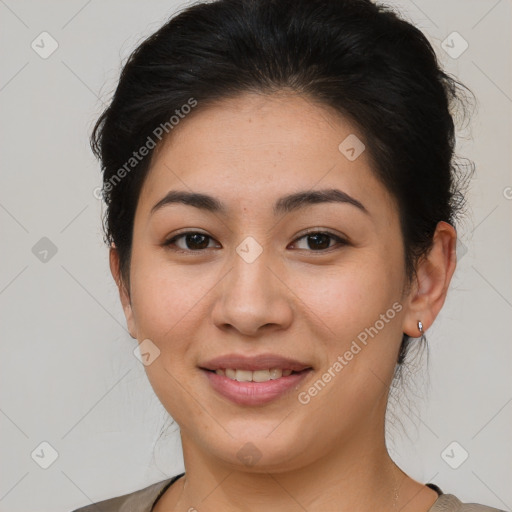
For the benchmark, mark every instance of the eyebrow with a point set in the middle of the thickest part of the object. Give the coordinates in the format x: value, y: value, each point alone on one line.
x: 285, y: 204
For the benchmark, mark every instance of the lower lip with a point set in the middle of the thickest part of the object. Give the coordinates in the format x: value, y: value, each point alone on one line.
x: 254, y: 393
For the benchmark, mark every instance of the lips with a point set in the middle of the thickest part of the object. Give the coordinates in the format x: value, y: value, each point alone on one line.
x: 254, y: 393
x: 257, y: 380
x: 254, y: 363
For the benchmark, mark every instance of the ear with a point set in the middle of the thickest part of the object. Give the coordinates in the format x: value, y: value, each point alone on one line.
x: 124, y: 294
x: 434, y: 273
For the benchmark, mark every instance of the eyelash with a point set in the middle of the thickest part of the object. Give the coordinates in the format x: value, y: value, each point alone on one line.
x: 341, y: 242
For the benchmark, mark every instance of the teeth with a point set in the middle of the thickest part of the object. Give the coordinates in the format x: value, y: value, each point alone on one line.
x: 256, y: 376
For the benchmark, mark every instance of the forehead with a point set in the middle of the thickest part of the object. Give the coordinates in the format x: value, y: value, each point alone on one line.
x: 256, y: 148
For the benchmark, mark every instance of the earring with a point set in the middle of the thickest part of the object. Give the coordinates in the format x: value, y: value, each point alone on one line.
x: 420, y: 328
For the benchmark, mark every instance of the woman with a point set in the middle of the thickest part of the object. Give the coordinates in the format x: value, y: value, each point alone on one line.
x: 281, y: 206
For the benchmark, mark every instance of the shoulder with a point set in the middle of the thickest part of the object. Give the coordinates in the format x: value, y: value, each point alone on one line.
x: 138, y: 501
x: 450, y: 503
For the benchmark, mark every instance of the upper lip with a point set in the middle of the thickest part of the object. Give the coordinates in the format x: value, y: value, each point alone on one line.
x: 254, y: 363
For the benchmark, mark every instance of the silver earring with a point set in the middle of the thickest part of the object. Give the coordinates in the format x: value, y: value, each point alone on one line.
x: 420, y: 327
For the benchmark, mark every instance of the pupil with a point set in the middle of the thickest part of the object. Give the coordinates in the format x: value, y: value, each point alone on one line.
x: 196, y: 240
x: 323, y: 238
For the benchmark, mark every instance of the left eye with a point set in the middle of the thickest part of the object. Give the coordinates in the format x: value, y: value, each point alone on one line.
x: 320, y: 241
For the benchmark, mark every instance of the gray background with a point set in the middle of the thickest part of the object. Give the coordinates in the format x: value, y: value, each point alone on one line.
x: 68, y: 373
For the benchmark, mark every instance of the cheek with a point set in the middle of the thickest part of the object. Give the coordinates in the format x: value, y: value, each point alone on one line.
x: 351, y: 296
x: 165, y: 297
x: 358, y: 310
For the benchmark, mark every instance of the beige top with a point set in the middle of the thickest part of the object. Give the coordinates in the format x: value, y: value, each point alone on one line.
x: 144, y: 499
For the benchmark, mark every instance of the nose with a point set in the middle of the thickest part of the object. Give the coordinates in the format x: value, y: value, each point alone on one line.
x: 253, y: 298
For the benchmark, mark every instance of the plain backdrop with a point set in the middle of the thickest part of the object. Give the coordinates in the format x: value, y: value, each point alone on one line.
x: 69, y: 378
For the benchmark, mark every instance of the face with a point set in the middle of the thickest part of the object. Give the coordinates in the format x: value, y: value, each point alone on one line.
x: 316, y: 281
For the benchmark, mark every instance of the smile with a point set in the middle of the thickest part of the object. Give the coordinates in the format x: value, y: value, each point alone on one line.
x: 254, y: 388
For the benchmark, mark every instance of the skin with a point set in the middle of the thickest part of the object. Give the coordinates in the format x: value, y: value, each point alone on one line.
x: 293, y: 300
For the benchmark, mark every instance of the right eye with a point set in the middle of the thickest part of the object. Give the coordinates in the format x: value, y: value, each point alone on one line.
x: 190, y: 241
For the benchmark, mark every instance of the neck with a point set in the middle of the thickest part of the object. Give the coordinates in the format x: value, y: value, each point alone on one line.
x: 357, y: 476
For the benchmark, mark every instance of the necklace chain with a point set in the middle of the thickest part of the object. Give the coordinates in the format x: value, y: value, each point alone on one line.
x: 396, y: 492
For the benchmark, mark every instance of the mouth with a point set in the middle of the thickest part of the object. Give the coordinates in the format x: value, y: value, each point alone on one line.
x: 264, y: 375
x: 255, y: 388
